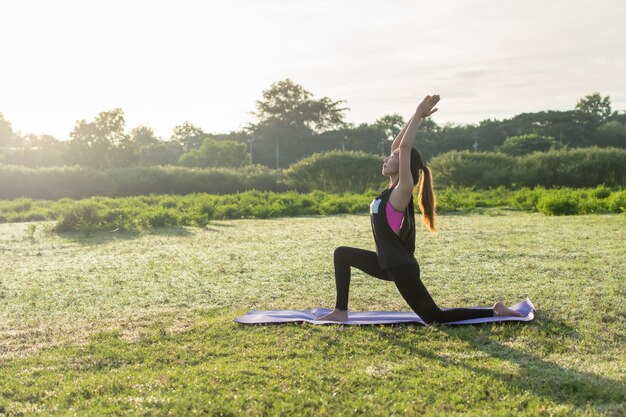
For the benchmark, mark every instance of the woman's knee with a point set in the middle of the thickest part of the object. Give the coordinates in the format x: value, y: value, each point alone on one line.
x: 340, y: 253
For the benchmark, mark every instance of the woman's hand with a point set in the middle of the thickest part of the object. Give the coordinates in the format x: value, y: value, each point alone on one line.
x: 425, y: 108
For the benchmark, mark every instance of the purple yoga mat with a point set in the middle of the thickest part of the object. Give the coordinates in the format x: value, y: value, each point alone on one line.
x: 525, y: 307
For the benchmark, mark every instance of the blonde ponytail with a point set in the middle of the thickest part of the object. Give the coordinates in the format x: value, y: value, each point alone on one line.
x: 426, y: 198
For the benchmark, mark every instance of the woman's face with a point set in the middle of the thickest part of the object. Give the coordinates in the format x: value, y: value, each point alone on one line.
x: 391, y: 164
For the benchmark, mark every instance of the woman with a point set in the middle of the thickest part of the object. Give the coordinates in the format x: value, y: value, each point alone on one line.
x: 393, y: 224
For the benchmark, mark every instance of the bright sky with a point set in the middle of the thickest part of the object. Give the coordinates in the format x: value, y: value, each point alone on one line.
x: 207, y: 62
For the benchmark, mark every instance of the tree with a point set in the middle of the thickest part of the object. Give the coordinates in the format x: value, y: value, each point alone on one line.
x: 216, y: 153
x: 619, y: 116
x: 611, y: 133
x: 6, y: 131
x: 369, y: 138
x: 597, y: 106
x: 161, y: 153
x: 525, y: 144
x: 92, y: 142
x: 32, y: 140
x: 291, y: 105
x: 143, y: 135
x: 389, y: 126
x: 123, y: 154
x: 288, y: 116
x: 592, y: 111
x: 391, y: 123
x: 189, y: 136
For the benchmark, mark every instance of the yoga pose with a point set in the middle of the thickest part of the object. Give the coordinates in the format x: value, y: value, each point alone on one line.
x: 393, y: 224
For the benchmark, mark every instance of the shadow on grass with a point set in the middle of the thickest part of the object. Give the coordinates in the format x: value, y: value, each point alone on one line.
x: 104, y: 237
x: 486, y: 211
x: 537, y: 375
x: 215, y: 227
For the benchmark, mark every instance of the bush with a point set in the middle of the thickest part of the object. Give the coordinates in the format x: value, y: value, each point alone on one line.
x: 337, y: 171
x: 580, y: 167
x: 132, y: 213
x: 472, y: 169
x: 557, y: 205
x: 84, y: 216
x: 121, y: 219
x: 160, y: 217
x: 77, y: 182
x: 591, y: 206
x: 616, y: 202
x: 601, y: 192
x: 450, y: 199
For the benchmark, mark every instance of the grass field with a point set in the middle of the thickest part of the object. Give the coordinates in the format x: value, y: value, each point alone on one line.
x: 142, y: 323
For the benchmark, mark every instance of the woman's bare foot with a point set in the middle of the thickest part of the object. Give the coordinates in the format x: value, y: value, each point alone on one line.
x: 500, y: 310
x: 336, y: 315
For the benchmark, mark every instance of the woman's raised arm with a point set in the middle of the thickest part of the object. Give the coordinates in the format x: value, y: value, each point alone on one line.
x: 398, y: 139
x: 401, y: 195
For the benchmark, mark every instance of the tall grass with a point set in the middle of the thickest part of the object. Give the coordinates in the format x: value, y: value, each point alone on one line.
x: 144, y: 212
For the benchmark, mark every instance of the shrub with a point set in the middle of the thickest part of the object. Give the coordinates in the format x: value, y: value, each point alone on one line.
x: 591, y: 206
x: 580, y: 167
x: 130, y: 213
x: 616, y: 202
x: 557, y: 204
x: 450, y: 199
x: 526, y: 198
x: 84, y: 216
x: 472, y: 169
x: 122, y: 219
x: 77, y: 182
x: 337, y: 171
x: 159, y: 217
x: 601, y: 192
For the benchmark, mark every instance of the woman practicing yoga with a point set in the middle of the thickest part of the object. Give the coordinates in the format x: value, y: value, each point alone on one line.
x: 393, y: 224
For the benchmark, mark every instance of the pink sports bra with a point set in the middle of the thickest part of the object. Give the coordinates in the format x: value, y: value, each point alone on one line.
x: 394, y: 217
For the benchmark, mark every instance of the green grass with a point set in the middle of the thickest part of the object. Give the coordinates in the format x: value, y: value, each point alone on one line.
x: 104, y: 214
x: 142, y: 323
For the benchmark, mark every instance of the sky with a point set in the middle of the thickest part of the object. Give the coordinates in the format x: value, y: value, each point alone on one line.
x: 208, y: 62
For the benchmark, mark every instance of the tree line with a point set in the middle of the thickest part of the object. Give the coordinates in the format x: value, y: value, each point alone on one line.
x: 291, y: 124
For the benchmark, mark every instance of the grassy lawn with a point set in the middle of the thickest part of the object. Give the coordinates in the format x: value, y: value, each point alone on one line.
x: 142, y: 323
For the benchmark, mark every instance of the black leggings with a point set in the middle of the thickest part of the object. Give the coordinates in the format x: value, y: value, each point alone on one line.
x: 407, y: 280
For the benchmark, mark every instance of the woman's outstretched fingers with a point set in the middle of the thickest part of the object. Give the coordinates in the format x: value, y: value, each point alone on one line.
x: 426, y: 107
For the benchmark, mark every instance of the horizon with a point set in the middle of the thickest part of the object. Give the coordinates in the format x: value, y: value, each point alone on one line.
x: 208, y: 63
x: 446, y: 123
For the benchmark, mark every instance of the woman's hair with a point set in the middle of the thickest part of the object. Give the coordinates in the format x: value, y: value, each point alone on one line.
x: 426, y: 196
